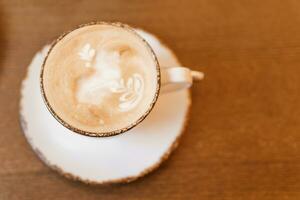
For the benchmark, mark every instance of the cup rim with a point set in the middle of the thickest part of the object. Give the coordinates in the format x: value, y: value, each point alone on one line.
x: 114, y: 132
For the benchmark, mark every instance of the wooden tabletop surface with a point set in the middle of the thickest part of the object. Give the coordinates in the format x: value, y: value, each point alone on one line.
x: 243, y: 136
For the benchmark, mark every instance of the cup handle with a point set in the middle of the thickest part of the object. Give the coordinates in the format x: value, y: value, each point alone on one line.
x: 177, y: 78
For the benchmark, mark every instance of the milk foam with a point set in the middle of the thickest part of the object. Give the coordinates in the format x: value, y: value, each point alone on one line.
x: 107, y: 79
x: 100, y: 78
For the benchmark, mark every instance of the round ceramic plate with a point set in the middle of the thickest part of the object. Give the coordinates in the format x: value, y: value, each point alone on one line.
x: 120, y: 158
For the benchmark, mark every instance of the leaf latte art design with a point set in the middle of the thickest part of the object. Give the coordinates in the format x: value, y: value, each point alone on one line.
x: 87, y: 54
x: 131, y: 91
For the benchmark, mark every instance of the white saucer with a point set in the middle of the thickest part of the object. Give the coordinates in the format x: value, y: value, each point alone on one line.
x: 121, y: 158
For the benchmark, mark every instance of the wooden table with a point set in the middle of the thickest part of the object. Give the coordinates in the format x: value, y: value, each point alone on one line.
x: 243, y: 137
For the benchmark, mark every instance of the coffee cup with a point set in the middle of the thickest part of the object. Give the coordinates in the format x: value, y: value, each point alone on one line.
x: 102, y: 79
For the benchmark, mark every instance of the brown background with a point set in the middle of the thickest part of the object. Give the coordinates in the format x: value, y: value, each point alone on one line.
x: 243, y: 137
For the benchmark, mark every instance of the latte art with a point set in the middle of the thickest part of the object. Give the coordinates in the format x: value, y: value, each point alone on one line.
x: 100, y: 78
x: 131, y: 92
x: 107, y: 80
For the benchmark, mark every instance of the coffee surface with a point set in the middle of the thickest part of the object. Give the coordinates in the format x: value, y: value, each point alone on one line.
x: 100, y: 78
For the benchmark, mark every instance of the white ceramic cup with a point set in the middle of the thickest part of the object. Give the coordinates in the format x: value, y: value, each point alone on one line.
x: 169, y: 79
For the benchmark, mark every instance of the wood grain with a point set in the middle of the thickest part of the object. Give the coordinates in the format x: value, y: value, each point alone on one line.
x: 242, y: 141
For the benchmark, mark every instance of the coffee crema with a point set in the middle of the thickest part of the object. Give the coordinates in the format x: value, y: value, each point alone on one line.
x: 100, y: 78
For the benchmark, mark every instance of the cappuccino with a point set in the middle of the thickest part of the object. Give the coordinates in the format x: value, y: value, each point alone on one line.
x: 100, y: 78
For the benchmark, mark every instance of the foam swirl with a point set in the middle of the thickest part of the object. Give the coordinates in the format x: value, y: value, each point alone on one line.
x: 107, y: 79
